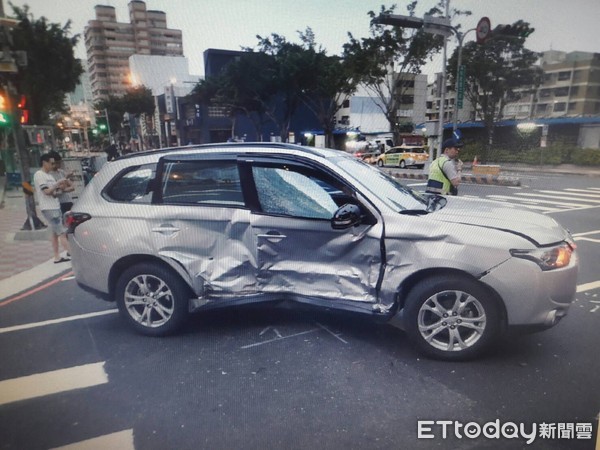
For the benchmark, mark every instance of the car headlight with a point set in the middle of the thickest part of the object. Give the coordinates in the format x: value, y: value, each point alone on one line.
x: 548, y: 258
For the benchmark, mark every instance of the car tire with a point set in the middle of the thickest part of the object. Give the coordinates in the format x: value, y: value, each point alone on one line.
x: 452, y: 318
x: 153, y: 299
x: 380, y: 162
x: 402, y: 164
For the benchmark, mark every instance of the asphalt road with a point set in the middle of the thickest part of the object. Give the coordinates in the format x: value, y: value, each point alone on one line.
x: 292, y: 378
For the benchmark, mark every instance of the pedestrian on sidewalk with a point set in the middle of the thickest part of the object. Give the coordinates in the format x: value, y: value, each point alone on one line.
x: 444, y: 172
x: 65, y: 199
x: 48, y: 190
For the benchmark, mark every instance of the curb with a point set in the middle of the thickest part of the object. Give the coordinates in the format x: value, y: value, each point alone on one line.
x: 23, y: 281
x: 467, y: 178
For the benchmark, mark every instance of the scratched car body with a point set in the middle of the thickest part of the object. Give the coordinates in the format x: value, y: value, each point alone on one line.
x: 169, y: 232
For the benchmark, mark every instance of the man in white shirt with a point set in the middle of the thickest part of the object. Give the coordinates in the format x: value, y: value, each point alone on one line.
x: 48, y: 190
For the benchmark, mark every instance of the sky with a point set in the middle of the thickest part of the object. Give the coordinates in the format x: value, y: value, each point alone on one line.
x: 233, y: 24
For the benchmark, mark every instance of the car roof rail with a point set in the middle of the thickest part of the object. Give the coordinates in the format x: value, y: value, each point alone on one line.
x: 274, y: 145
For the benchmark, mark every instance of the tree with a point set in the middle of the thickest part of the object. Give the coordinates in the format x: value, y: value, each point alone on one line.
x: 331, y: 81
x: 52, y: 69
x: 245, y: 86
x: 291, y: 73
x: 385, y: 62
x: 496, y: 72
x: 137, y: 101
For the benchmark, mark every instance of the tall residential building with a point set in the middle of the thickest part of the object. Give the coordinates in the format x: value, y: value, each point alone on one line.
x: 109, y: 44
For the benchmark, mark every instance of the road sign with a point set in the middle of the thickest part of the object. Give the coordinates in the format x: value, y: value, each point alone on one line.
x: 460, y: 94
x: 483, y: 30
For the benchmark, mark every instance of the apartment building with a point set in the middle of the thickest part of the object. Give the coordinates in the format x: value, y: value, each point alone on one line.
x: 363, y: 111
x: 109, y: 44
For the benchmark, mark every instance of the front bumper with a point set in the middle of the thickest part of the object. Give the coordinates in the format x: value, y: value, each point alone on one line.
x: 532, y: 297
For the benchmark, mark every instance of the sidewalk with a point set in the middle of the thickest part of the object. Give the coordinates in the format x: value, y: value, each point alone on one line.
x: 23, y: 263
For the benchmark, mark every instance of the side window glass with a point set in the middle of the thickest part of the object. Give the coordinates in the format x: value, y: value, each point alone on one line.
x: 133, y: 186
x: 202, y: 183
x: 287, y: 192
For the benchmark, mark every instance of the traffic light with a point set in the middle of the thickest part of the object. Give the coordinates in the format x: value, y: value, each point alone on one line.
x: 4, y: 110
x: 521, y: 30
x: 24, y: 112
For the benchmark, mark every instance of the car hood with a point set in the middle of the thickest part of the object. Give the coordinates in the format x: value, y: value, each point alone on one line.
x: 535, y: 227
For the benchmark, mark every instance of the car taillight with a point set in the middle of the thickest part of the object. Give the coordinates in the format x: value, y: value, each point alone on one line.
x: 73, y: 219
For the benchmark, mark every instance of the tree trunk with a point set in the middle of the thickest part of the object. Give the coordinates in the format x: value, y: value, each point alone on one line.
x: 32, y: 222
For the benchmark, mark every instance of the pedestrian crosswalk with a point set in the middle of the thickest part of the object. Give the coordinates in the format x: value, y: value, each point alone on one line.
x: 552, y: 201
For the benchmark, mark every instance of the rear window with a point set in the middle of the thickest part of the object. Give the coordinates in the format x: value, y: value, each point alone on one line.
x: 202, y: 183
x: 132, y: 186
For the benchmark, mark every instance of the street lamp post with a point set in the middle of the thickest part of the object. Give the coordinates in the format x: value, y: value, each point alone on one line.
x: 441, y: 25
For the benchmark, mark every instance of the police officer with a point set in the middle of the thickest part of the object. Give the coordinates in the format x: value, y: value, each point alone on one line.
x: 444, y: 172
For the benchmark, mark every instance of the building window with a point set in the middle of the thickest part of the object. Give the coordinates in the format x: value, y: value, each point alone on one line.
x: 560, y: 107
x: 561, y: 91
x: 572, y: 106
x: 346, y: 103
x: 563, y: 76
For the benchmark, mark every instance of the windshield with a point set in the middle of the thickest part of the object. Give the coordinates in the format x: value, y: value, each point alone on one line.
x: 391, y: 192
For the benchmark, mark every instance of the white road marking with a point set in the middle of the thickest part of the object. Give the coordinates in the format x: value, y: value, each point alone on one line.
x: 588, y: 286
x: 279, y: 338
x: 587, y: 232
x: 28, y: 326
x: 559, y: 197
x: 62, y: 380
x: 507, y: 199
x: 335, y: 335
x: 595, y: 241
x: 578, y: 192
x: 123, y: 440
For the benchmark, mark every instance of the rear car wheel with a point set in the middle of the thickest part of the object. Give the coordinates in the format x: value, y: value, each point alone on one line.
x: 152, y: 299
x: 402, y: 164
x: 452, y: 318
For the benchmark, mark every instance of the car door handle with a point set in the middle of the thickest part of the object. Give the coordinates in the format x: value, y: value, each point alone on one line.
x: 166, y: 229
x: 273, y: 236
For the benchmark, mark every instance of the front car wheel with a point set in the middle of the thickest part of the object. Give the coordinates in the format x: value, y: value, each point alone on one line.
x: 452, y: 318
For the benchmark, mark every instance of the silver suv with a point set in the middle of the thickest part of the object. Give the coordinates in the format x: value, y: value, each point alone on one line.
x: 169, y: 232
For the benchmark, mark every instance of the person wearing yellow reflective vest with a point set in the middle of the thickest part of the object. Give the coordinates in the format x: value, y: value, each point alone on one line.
x: 444, y: 172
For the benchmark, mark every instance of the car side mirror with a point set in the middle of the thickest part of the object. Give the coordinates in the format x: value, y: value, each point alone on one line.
x: 346, y: 216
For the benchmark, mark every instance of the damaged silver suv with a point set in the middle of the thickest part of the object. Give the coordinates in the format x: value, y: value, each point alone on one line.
x: 169, y: 232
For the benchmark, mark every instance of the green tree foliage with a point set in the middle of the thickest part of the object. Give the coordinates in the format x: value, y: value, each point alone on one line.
x: 139, y: 100
x: 385, y: 62
x: 291, y: 72
x: 52, y: 69
x: 496, y: 73
x: 245, y: 86
x: 278, y: 69
x: 330, y: 83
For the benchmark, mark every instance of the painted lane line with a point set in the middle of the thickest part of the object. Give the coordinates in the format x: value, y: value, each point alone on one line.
x: 28, y: 326
x: 575, y: 209
x: 577, y: 192
x: 595, y: 241
x: 335, y: 335
x: 588, y: 286
x: 586, y: 233
x: 123, y: 440
x: 560, y: 197
x: 34, y: 290
x: 279, y: 338
x: 42, y: 384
